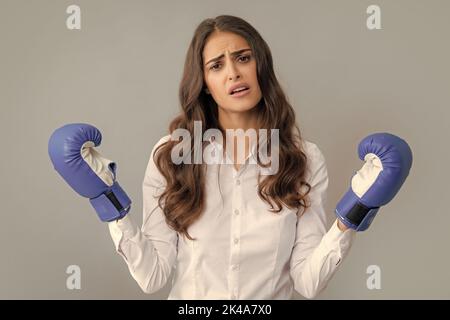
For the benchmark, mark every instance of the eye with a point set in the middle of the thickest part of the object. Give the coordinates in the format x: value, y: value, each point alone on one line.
x: 243, y: 59
x: 215, y: 66
x: 246, y: 58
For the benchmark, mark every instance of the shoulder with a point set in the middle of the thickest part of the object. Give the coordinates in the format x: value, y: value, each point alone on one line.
x: 152, y: 175
x: 161, y: 140
x: 312, y: 151
x: 316, y: 168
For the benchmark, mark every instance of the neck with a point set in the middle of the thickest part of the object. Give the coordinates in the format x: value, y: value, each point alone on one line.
x: 239, y: 120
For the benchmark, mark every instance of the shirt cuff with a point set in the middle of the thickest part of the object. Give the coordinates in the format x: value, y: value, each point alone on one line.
x: 122, y: 230
x: 337, y: 240
x: 127, y: 226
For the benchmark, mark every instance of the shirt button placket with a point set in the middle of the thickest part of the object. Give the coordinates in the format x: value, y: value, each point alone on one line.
x: 235, y: 238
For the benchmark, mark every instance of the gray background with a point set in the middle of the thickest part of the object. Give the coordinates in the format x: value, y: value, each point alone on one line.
x: 121, y: 72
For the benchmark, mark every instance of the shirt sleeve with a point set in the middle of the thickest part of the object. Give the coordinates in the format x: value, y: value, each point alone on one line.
x: 149, y: 252
x: 317, y: 253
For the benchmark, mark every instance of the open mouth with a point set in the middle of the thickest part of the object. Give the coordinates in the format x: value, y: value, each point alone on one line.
x: 238, y: 90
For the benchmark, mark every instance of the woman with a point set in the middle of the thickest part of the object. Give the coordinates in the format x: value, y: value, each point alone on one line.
x: 228, y: 231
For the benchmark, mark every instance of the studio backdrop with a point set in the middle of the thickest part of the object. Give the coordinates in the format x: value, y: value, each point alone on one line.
x: 349, y: 68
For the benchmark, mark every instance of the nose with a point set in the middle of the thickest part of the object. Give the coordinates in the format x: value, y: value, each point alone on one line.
x: 233, y: 72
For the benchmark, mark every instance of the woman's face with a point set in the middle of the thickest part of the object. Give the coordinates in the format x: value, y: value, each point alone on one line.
x: 228, y: 61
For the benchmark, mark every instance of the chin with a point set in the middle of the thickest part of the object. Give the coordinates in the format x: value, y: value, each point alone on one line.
x: 242, y: 106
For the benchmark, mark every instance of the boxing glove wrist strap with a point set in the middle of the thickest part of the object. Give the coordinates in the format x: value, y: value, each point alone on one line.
x: 112, y: 205
x: 353, y: 213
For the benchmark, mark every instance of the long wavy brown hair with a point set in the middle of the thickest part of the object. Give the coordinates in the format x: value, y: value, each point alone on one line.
x: 183, y: 199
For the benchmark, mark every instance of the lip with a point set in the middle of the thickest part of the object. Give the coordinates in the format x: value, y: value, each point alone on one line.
x: 238, y: 85
x: 240, y: 94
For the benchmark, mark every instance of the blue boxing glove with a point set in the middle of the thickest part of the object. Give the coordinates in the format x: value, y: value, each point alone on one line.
x: 71, y: 150
x: 388, y: 160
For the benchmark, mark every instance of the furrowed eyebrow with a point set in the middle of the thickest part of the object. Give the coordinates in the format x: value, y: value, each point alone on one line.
x: 233, y: 54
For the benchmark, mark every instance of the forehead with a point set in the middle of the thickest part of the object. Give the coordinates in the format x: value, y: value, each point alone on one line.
x: 220, y: 42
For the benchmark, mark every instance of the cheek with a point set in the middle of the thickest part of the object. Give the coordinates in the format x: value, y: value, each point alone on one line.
x: 252, y: 74
x: 210, y: 81
x: 216, y: 86
x: 216, y: 90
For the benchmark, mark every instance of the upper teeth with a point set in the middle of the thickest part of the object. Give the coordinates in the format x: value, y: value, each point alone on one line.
x: 239, y: 89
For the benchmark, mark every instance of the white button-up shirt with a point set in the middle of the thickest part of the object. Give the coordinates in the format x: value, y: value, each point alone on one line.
x: 242, y: 251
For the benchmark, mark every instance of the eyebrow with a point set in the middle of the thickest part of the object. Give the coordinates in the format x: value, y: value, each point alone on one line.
x: 233, y: 54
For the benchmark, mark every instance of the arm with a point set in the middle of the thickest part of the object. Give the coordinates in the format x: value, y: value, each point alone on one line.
x: 341, y: 226
x: 149, y: 252
x: 317, y: 252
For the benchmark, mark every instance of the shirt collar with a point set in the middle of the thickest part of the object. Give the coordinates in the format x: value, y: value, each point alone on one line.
x: 253, y: 152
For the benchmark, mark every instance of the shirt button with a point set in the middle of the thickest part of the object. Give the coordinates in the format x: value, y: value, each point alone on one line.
x: 236, y: 240
x: 238, y: 182
x: 233, y: 297
x: 236, y: 211
x: 234, y: 267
